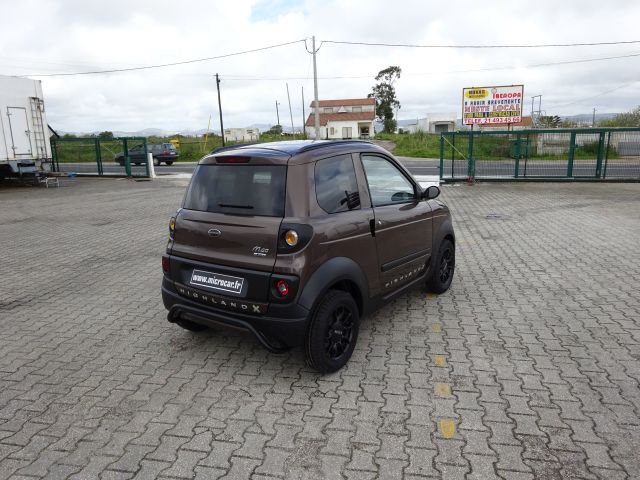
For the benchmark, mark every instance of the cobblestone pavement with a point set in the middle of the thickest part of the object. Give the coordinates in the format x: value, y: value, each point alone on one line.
x: 529, y: 367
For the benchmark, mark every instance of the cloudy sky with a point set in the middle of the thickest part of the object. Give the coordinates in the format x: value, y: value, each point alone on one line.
x: 68, y: 36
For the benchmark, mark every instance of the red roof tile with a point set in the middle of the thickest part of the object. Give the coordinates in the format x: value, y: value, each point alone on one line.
x: 341, y: 117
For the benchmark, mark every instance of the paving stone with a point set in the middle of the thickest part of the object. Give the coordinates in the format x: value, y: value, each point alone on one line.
x: 539, y: 334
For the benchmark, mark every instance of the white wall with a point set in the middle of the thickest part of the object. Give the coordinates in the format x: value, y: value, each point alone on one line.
x: 428, y: 123
x: 311, y: 132
x: 355, y: 131
x: 241, y: 134
x: 347, y: 108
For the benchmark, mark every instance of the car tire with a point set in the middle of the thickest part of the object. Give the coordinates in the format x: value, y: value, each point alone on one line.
x: 169, y: 163
x: 332, y: 332
x: 442, y: 268
x: 191, y: 326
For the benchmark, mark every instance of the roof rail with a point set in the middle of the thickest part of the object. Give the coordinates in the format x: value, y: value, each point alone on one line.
x: 313, y: 146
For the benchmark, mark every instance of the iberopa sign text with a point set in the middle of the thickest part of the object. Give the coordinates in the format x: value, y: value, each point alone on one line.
x: 482, y: 105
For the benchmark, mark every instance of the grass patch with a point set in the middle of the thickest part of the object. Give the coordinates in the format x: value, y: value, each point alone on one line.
x: 420, y: 144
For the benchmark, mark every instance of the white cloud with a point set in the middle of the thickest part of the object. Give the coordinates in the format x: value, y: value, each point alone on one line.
x: 75, y: 35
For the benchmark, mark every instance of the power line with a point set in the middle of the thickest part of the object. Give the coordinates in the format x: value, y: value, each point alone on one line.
x: 173, y: 64
x: 541, y: 45
x: 233, y: 77
x: 596, y: 96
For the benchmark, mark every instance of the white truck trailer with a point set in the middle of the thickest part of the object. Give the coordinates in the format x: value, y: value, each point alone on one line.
x: 25, y: 148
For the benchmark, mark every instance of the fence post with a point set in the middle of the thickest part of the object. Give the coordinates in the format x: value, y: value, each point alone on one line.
x: 127, y: 160
x: 146, y: 155
x: 517, y: 155
x: 441, y: 155
x: 54, y: 156
x: 572, y: 150
x: 471, y: 168
x: 453, y: 154
x: 606, y: 157
x: 600, y: 155
x: 98, y: 156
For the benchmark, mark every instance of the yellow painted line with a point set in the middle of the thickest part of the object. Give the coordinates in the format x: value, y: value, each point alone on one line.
x: 443, y: 390
x: 447, y: 427
x: 436, y: 328
x: 439, y: 360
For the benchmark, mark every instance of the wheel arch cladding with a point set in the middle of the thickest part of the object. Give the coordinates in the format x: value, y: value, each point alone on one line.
x: 444, y: 232
x: 340, y: 273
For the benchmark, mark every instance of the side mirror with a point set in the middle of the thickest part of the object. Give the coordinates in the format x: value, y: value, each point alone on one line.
x: 431, y: 192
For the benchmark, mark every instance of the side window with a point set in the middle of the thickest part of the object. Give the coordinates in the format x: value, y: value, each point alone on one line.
x: 336, y: 185
x: 386, y: 183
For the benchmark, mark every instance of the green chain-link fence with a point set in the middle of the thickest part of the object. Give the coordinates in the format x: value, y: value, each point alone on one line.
x: 546, y: 154
x: 95, y: 156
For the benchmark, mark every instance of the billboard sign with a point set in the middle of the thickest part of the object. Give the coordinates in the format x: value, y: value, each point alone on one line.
x: 492, y: 105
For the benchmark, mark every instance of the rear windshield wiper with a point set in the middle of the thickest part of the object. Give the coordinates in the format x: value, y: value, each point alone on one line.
x: 229, y: 205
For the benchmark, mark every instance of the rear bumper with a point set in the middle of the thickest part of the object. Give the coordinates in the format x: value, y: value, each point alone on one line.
x: 283, y: 326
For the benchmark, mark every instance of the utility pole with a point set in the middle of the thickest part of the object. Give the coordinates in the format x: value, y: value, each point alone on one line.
x: 290, y: 112
x: 220, y: 108
x: 277, y: 112
x: 533, y: 111
x: 593, y: 122
x: 315, y: 89
x: 304, y: 119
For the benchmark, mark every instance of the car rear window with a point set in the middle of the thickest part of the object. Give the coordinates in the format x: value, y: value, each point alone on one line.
x: 238, y: 189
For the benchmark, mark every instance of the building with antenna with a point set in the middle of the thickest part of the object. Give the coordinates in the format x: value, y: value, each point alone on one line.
x: 343, y: 119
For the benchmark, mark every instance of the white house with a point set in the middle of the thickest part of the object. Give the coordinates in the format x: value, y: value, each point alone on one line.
x: 343, y: 119
x: 241, y: 134
x: 434, y: 123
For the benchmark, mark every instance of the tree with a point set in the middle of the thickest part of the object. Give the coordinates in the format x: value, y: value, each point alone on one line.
x: 105, y: 135
x: 549, y: 121
x: 629, y: 119
x: 385, y: 95
x: 276, y: 130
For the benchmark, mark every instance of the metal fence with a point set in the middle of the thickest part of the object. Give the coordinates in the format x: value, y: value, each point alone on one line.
x: 546, y: 154
x: 95, y: 156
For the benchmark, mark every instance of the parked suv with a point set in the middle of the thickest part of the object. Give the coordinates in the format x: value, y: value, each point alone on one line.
x: 297, y: 241
x: 162, y: 152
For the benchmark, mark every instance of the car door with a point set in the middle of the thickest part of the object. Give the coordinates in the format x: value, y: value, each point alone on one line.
x: 343, y: 228
x: 402, y: 223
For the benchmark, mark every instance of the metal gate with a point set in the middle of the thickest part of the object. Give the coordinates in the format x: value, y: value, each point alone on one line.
x: 102, y: 157
x: 577, y: 154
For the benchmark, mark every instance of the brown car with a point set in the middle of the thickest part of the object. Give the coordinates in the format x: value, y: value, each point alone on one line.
x: 296, y: 241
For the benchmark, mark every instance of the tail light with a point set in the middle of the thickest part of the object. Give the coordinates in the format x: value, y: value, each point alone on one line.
x: 282, y: 287
x: 166, y: 264
x: 233, y: 159
x: 293, y: 237
x: 172, y: 227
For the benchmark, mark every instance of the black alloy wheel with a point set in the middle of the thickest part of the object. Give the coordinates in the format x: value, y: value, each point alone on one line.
x: 446, y: 265
x: 332, y: 332
x: 442, y: 268
x: 339, y: 333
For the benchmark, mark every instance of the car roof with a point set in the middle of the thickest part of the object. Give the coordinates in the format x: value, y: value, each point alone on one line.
x: 285, y: 150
